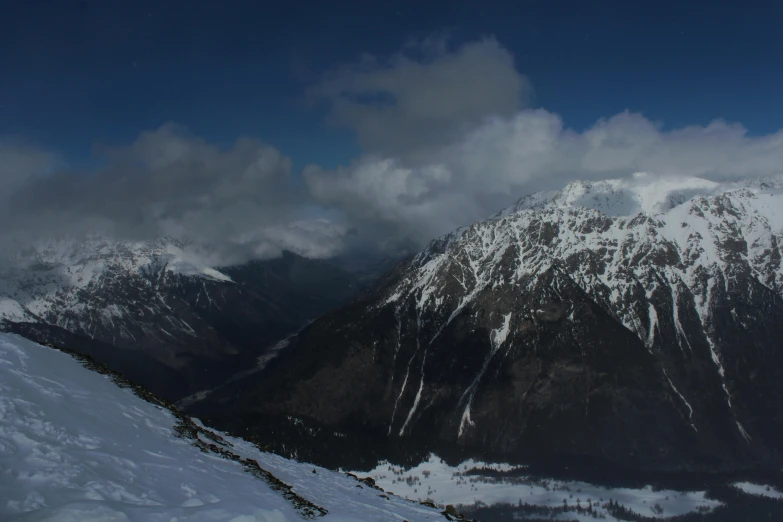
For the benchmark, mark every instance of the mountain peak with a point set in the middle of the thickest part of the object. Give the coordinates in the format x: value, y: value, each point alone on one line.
x: 642, y: 194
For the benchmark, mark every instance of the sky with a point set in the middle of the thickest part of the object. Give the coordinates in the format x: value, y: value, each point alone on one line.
x: 312, y: 125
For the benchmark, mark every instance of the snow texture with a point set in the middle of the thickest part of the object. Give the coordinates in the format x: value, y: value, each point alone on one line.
x: 758, y: 490
x: 435, y: 480
x: 76, y: 447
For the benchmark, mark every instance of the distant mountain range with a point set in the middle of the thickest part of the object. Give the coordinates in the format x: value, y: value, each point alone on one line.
x: 156, y: 313
x: 633, y: 322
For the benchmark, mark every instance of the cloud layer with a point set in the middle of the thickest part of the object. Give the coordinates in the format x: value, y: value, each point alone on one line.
x: 494, y: 164
x: 21, y: 164
x: 447, y: 139
x: 240, y: 200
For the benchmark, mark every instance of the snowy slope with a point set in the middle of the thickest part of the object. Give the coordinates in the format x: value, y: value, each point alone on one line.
x: 687, y: 240
x: 76, y: 447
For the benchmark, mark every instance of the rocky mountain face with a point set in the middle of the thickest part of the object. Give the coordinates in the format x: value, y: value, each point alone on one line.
x: 156, y: 313
x: 637, y: 323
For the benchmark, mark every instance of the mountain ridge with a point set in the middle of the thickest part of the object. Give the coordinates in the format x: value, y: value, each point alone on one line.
x: 488, y: 337
x: 166, y: 304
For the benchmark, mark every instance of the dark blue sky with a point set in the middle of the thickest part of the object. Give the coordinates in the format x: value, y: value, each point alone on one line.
x: 73, y: 73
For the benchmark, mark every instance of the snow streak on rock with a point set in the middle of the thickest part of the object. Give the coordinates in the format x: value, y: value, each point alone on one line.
x: 497, y: 338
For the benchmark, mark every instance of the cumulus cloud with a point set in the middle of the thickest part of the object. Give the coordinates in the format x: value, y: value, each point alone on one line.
x: 425, y: 95
x: 239, y: 200
x: 505, y: 158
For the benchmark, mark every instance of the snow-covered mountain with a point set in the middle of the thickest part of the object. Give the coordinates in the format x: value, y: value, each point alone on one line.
x: 638, y: 321
x: 48, y: 281
x: 76, y: 447
x: 157, y: 311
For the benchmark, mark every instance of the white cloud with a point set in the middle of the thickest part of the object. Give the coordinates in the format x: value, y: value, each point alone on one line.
x: 314, y: 238
x: 505, y: 158
x: 239, y: 200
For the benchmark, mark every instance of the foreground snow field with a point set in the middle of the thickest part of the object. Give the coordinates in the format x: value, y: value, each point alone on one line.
x: 75, y: 447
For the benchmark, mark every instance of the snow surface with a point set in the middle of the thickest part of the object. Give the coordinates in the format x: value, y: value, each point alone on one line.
x: 758, y: 490
x: 443, y: 484
x: 74, y: 447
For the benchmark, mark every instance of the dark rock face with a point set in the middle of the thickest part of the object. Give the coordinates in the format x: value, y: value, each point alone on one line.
x: 175, y: 332
x: 648, y: 342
